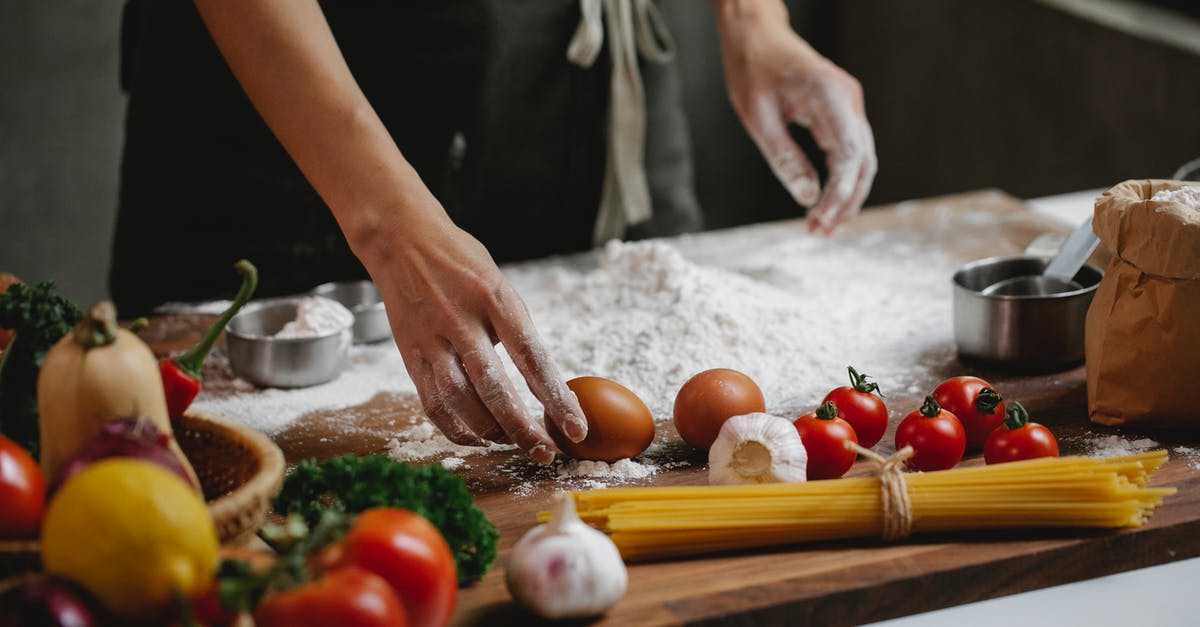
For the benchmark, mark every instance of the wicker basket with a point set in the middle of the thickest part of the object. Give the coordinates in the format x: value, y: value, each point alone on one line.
x: 240, y: 471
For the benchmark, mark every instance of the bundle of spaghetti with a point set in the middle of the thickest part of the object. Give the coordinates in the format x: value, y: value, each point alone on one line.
x: 656, y: 522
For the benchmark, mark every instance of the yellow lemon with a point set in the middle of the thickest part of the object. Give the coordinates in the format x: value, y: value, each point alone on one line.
x: 135, y: 535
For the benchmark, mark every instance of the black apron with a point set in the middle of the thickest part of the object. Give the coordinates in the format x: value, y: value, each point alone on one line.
x: 478, y: 95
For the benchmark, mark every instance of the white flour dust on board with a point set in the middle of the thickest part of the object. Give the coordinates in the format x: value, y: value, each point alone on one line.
x: 792, y: 314
x: 1115, y: 445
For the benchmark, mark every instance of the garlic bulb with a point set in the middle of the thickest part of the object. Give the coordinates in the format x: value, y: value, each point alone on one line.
x: 757, y: 448
x: 564, y: 568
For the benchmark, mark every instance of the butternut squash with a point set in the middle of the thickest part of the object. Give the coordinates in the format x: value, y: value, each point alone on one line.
x: 93, y: 375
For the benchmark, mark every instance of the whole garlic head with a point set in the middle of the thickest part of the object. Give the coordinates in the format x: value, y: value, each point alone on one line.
x: 757, y: 448
x: 564, y: 568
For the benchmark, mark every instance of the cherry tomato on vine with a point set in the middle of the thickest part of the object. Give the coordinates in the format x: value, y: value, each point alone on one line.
x: 409, y: 553
x: 936, y: 435
x: 22, y: 492
x: 862, y: 409
x: 1018, y: 439
x: 825, y: 435
x: 975, y: 403
x: 347, y: 597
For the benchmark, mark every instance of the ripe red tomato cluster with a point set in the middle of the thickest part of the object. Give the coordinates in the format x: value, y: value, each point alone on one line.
x: 392, y: 568
x: 853, y: 413
x: 967, y: 413
x: 962, y: 414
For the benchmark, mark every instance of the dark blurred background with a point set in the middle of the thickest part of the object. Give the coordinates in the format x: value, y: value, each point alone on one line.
x: 1034, y: 97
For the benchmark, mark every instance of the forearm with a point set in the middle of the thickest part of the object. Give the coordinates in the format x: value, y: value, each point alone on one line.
x: 740, y: 22
x: 287, y: 61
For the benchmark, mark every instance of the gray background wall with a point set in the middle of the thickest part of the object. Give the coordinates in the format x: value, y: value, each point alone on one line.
x: 60, y: 136
x: 1019, y: 95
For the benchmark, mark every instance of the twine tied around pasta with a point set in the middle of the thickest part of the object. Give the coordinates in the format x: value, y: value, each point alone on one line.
x: 897, y: 506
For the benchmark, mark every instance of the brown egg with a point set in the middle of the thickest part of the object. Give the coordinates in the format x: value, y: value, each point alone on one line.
x: 710, y: 398
x: 619, y: 423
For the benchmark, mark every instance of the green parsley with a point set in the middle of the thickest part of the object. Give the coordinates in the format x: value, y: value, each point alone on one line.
x: 353, y: 484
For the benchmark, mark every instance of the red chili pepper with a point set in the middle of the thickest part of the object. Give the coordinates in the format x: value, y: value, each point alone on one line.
x: 181, y: 375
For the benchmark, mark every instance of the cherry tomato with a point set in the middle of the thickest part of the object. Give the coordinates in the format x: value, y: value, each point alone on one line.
x: 710, y: 398
x: 862, y: 409
x: 975, y: 403
x: 936, y: 435
x: 346, y: 597
x: 22, y: 493
x: 409, y: 553
x: 1018, y: 439
x: 825, y: 435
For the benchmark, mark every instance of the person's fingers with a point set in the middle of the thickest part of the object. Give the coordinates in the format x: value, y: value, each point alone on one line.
x: 867, y: 176
x: 486, y: 372
x: 836, y: 133
x: 516, y: 331
x: 783, y: 155
x: 461, y: 399
x: 436, y: 403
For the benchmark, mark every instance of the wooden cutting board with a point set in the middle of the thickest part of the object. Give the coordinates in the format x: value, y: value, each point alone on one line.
x: 832, y: 583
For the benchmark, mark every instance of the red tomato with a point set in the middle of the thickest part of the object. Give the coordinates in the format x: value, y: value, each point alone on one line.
x: 22, y: 493
x: 409, y: 553
x: 936, y: 435
x: 1019, y: 439
x: 975, y: 403
x: 346, y: 597
x: 862, y: 409
x: 825, y: 436
x: 710, y: 398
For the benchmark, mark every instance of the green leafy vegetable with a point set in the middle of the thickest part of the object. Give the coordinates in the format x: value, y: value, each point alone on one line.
x: 40, y: 318
x: 353, y: 484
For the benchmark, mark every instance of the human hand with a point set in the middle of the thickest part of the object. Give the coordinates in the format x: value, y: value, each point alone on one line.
x: 775, y: 79
x: 449, y: 305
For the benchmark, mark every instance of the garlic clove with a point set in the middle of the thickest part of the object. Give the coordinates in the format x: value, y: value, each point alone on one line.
x: 564, y: 568
x: 757, y: 448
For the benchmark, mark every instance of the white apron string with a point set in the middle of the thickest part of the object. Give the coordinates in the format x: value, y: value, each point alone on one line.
x: 633, y: 26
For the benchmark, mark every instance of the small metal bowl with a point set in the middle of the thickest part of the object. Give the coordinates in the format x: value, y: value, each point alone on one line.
x: 363, y: 300
x: 259, y: 357
x: 1042, y: 333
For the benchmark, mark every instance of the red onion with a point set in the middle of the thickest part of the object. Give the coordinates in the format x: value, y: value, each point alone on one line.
x: 46, y: 601
x: 126, y: 437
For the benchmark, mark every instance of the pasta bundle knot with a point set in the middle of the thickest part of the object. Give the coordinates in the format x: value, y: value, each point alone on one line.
x: 897, y: 506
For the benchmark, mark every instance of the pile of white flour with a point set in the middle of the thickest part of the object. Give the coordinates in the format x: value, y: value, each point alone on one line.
x: 792, y: 315
x: 1186, y: 195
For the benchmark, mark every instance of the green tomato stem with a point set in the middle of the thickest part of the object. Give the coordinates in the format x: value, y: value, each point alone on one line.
x: 930, y: 407
x: 1016, y: 416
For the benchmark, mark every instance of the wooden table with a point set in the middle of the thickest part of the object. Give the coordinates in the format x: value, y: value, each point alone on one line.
x: 831, y: 583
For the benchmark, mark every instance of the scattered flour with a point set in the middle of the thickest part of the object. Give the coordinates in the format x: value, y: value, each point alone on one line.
x: 1186, y: 195
x: 1117, y: 446
x: 1190, y: 454
x: 423, y: 441
x: 791, y: 314
x: 373, y: 369
x: 453, y: 463
x: 619, y: 470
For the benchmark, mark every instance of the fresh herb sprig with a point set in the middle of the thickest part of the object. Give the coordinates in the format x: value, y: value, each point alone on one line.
x: 353, y: 484
x: 40, y: 317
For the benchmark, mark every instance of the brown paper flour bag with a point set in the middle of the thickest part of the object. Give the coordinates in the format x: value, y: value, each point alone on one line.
x: 1143, y: 328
